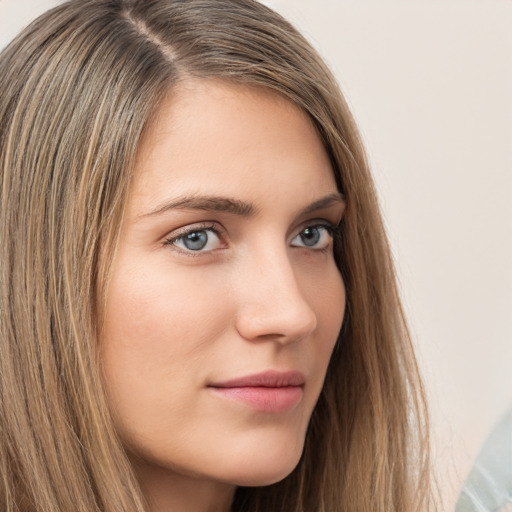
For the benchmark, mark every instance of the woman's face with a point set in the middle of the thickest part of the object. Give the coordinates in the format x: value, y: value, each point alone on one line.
x: 225, y: 301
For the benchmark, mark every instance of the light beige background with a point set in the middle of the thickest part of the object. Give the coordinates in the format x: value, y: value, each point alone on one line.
x: 430, y: 83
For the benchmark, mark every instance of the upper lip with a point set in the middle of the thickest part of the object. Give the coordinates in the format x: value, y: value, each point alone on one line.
x: 267, y: 379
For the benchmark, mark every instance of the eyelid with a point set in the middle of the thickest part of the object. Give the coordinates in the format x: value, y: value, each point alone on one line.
x: 171, y: 238
x: 316, y: 223
x: 323, y: 223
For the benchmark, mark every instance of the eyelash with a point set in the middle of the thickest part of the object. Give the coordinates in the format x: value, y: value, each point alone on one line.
x: 171, y: 241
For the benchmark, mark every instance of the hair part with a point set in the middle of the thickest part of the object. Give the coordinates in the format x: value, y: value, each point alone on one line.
x: 79, y: 88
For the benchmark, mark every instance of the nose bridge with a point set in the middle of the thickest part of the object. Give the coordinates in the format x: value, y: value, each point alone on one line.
x: 272, y: 303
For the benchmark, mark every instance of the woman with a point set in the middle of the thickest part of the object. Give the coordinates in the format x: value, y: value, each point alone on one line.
x: 198, y: 303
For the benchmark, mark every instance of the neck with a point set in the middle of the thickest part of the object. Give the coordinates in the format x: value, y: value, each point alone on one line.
x: 167, y: 490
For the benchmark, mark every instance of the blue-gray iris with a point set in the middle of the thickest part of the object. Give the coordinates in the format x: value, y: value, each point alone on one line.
x: 310, y: 236
x: 195, y: 241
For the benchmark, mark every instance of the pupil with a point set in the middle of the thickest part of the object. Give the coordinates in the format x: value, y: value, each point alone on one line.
x: 310, y: 236
x: 196, y: 240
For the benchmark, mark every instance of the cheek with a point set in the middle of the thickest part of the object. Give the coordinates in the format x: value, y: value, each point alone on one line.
x: 323, y: 288
x: 157, y: 311
x: 157, y: 329
x: 332, y: 320
x: 325, y: 292
x: 334, y: 302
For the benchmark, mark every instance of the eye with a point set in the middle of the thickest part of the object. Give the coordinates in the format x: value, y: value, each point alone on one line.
x: 315, y: 237
x: 198, y: 239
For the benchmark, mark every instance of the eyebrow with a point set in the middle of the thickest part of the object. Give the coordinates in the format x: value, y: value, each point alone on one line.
x: 206, y: 203
x: 324, y: 202
x: 234, y: 206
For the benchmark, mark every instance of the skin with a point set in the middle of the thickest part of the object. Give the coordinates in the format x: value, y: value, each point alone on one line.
x: 255, y: 298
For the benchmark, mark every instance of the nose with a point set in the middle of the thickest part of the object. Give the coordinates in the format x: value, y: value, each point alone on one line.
x: 272, y: 305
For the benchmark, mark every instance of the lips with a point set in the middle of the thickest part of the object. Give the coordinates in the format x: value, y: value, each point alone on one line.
x: 269, y: 391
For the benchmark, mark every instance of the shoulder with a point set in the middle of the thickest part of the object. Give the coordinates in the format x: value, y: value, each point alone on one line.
x: 488, y: 487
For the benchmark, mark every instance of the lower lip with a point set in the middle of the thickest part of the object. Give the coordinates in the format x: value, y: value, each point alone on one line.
x: 264, y: 399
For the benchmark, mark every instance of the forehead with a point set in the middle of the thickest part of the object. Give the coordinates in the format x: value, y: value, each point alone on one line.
x: 215, y: 137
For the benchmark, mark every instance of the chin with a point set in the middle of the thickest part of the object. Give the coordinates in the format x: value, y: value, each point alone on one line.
x: 263, y: 479
x: 265, y: 470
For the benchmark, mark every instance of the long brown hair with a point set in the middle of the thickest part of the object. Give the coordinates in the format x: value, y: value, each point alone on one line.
x: 78, y: 89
